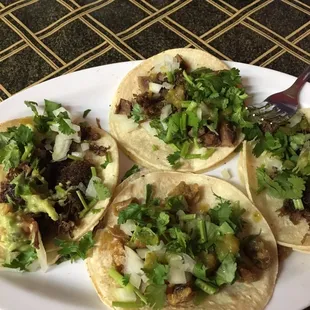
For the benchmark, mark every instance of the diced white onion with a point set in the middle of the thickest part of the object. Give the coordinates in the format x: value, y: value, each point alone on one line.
x: 269, y: 161
x: 199, y: 113
x: 128, y: 227
x: 142, y: 252
x: 133, y: 263
x: 167, y: 85
x: 34, y: 266
x: 84, y: 146
x: 167, y: 63
x: 127, y: 124
x: 144, y: 278
x: 189, y: 262
x: 61, y: 110
x: 82, y: 187
x: 165, y: 112
x: 77, y: 154
x: 125, y: 295
x: 155, y: 248
x: 144, y: 285
x: 226, y: 174
x: 90, y: 190
x: 61, y: 147
x: 148, y: 128
x: 176, y: 276
x: 154, y: 87
x: 135, y: 280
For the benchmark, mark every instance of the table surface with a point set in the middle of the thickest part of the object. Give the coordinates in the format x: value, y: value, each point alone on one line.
x: 43, y: 39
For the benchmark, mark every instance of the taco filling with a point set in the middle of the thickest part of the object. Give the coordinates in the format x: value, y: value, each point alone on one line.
x: 283, y: 165
x: 165, y: 252
x: 48, y: 180
x: 189, y: 110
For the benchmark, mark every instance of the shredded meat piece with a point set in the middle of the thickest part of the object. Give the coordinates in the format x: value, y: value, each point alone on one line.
x: 190, y: 192
x: 179, y: 79
x: 268, y: 127
x: 256, y: 251
x: 247, y: 274
x: 143, y: 82
x: 151, y: 105
x: 14, y: 172
x: 210, y: 139
x: 178, y: 294
x: 160, y: 77
x: 181, y: 61
x: 99, y: 150
x: 227, y: 134
x: 88, y: 134
x: 124, y: 107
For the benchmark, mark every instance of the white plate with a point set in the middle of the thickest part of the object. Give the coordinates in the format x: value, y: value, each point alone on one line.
x: 68, y: 286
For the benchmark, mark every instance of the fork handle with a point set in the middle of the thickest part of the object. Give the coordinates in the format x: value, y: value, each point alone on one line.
x: 295, y: 89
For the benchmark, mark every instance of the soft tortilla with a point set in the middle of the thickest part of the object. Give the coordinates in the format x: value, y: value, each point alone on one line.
x: 238, y: 296
x: 286, y: 233
x: 108, y: 175
x: 138, y: 143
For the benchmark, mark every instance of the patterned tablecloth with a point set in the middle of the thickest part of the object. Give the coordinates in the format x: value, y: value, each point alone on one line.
x: 43, y: 39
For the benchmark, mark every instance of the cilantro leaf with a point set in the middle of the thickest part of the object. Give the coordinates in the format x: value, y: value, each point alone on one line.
x: 221, y: 213
x: 50, y: 107
x: 23, y: 135
x: 226, y: 273
x: 162, y: 221
x: 156, y: 295
x: 145, y: 235
x: 303, y: 162
x: 174, y: 158
x: 137, y: 113
x: 212, y: 233
x: 10, y: 155
x: 23, y: 260
x: 132, y: 212
x: 176, y: 203
x: 134, y: 169
x: 181, y: 239
x: 73, y: 250
x: 102, y: 190
x: 33, y: 106
x: 157, y: 274
x: 64, y: 127
x: 283, y: 186
x: 86, y: 112
x: 126, y: 279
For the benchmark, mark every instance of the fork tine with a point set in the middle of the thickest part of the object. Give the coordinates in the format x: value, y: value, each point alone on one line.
x: 268, y: 114
x: 280, y: 119
x: 262, y: 109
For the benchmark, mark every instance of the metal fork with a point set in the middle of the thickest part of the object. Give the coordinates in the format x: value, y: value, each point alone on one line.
x: 280, y: 107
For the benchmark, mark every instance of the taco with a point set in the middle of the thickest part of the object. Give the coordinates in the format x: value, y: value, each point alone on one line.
x: 181, y: 109
x: 276, y: 170
x: 174, y: 240
x: 57, y: 178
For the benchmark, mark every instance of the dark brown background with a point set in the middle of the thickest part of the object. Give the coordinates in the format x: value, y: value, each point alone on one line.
x: 43, y: 39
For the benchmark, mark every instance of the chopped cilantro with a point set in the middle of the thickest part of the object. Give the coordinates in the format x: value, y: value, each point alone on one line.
x: 64, y: 127
x: 86, y: 112
x: 157, y: 274
x: 102, y: 190
x: 50, y: 107
x: 73, y: 250
x: 108, y: 160
x: 174, y: 158
x: 137, y: 113
x: 132, y: 170
x: 156, y: 295
x: 23, y: 260
x: 132, y: 212
x: 227, y: 271
x: 145, y: 235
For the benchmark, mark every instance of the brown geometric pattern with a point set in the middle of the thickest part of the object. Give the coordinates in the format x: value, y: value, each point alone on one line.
x: 43, y: 39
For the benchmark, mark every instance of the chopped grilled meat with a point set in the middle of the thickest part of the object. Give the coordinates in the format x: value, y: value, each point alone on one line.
x: 190, y: 192
x: 88, y: 134
x: 257, y: 252
x: 124, y: 107
x: 227, y: 134
x: 269, y: 127
x: 99, y: 150
x: 201, y: 132
x: 296, y: 216
x: 247, y: 274
x: 151, y: 105
x: 7, y: 192
x: 181, y: 61
x: 178, y: 294
x: 179, y: 79
x: 65, y: 227
x: 210, y: 139
x: 14, y: 172
x: 143, y: 82
x: 160, y: 77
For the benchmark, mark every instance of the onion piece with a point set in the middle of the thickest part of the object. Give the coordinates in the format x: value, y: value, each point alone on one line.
x: 61, y: 147
x: 90, y: 190
x: 128, y: 227
x: 167, y: 85
x: 154, y: 87
x: 155, y: 248
x: 133, y: 263
x: 166, y: 63
x: 78, y: 154
x: 84, y: 146
x: 165, y: 112
x: 189, y: 262
x: 124, y: 295
x: 199, y: 113
x: 135, y: 280
x: 176, y: 276
x: 127, y: 124
x: 142, y: 252
x: 269, y: 161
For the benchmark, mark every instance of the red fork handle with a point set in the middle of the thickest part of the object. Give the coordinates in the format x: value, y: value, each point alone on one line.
x: 295, y: 89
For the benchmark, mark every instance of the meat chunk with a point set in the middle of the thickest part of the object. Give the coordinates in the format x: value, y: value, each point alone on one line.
x: 210, y: 139
x: 182, y: 62
x: 247, y: 274
x: 124, y: 107
x: 190, y: 192
x: 99, y: 150
x: 178, y: 294
x: 268, y: 127
x: 256, y: 251
x: 14, y: 172
x: 151, y: 105
x: 296, y: 216
x: 88, y: 134
x: 227, y: 134
x: 143, y: 82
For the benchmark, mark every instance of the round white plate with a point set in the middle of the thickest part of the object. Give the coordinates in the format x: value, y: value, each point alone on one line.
x: 67, y: 286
